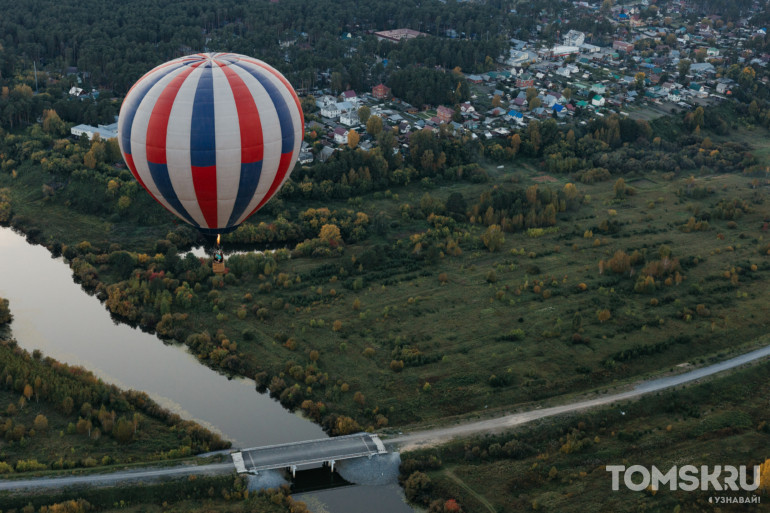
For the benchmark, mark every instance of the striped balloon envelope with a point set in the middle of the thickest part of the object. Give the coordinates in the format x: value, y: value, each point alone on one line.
x: 212, y: 136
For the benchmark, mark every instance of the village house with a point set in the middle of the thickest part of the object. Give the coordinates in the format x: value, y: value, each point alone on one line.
x: 350, y: 96
x: 349, y: 117
x: 444, y: 114
x: 397, y: 35
x: 340, y: 135
x: 380, y: 91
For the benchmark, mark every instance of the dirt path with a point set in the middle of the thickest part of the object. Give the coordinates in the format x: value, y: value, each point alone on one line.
x: 451, y: 475
x: 440, y: 435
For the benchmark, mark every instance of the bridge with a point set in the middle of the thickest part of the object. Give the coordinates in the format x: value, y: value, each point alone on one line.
x: 293, y: 455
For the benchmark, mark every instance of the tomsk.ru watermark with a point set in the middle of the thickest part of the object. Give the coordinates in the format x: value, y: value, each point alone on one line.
x: 687, y: 477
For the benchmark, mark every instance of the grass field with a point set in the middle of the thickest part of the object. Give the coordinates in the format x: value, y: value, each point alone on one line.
x: 559, y: 465
x: 482, y: 329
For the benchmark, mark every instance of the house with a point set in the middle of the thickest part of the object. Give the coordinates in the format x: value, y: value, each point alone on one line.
x: 560, y: 51
x: 574, y: 38
x: 305, y: 157
x: 349, y: 117
x: 340, y: 135
x: 698, y: 90
x: 702, y: 68
x: 380, y: 91
x: 724, y: 88
x: 598, y: 88
x: 525, y: 80
x: 475, y: 79
x: 467, y: 108
x: 674, y: 96
x: 444, y: 114
x: 397, y: 35
x: 597, y: 101
x: 325, y: 153
x: 350, y: 96
x: 521, y: 57
x: 104, y: 131
x: 623, y: 46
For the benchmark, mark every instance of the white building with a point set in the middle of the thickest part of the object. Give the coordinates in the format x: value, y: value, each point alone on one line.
x: 349, y: 117
x: 574, y: 38
x: 105, y: 131
x: 340, y: 135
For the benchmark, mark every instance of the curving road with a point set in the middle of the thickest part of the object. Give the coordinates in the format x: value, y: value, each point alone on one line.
x: 409, y: 441
x: 437, y: 436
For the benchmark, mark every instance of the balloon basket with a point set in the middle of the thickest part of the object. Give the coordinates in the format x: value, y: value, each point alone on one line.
x: 218, y: 267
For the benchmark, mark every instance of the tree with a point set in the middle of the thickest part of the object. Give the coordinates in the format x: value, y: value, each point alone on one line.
x: 534, y: 103
x: 5, y: 312
x: 84, y: 427
x: 417, y: 487
x: 52, y: 123
x: 353, y: 139
x: 67, y: 405
x: 497, y: 101
x: 374, y: 125
x: 531, y: 93
x: 364, y: 113
x: 123, y: 431
x: 683, y: 67
x: 359, y: 398
x: 330, y: 233
x: 336, y: 81
x: 314, y: 355
x: 603, y: 315
x: 41, y: 423
x: 28, y: 391
x: 493, y: 238
x: 619, y: 188
x: 639, y: 79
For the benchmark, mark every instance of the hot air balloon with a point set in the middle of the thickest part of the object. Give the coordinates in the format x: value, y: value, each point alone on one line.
x: 211, y: 136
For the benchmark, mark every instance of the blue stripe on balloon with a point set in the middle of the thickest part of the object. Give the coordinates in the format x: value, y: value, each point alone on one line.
x: 203, y: 143
x: 127, y: 119
x: 250, y: 173
x: 284, y: 114
x: 159, y: 173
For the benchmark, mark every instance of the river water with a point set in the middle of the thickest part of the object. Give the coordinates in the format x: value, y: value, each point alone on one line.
x: 53, y: 314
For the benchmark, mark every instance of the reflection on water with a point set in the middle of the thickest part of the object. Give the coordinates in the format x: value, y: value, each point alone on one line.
x: 53, y: 314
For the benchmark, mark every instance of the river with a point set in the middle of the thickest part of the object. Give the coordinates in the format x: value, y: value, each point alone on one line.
x: 53, y: 314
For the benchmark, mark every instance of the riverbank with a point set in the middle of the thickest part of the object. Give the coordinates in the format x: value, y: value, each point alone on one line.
x: 58, y: 416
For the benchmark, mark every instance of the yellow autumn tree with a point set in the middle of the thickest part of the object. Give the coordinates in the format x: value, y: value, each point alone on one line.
x: 764, y: 477
x: 330, y: 233
x: 353, y: 139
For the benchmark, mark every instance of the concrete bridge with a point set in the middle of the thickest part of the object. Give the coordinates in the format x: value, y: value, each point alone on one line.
x: 292, y: 455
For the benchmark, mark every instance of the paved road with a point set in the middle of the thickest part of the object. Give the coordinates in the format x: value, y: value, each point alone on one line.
x: 437, y: 436
x: 313, y: 451
x: 408, y: 441
x: 123, y: 476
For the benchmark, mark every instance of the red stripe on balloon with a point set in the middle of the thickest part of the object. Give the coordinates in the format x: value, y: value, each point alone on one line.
x: 286, y: 84
x: 283, y: 167
x: 252, y: 145
x: 205, y: 183
x: 158, y: 125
